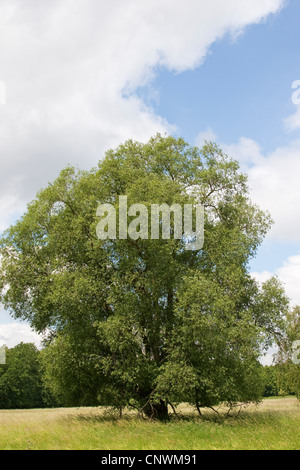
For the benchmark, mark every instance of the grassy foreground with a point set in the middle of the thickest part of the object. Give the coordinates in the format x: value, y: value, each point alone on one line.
x: 274, y: 424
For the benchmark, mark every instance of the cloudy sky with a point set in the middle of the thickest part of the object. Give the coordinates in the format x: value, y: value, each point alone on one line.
x: 80, y: 76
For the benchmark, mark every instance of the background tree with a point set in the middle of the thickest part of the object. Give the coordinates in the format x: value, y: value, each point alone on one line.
x: 270, y: 380
x: 21, y: 378
x: 288, y: 357
x: 68, y: 373
x: 150, y: 321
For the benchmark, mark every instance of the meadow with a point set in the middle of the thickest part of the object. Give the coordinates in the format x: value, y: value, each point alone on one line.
x: 272, y: 425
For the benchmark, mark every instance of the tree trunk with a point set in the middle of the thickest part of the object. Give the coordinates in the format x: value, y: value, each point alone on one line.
x: 157, y: 410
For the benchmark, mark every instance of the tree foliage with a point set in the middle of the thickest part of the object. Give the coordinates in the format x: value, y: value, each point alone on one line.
x: 288, y: 357
x: 147, y: 320
x: 21, y: 379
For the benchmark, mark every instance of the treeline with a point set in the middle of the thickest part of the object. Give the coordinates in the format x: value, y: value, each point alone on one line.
x: 279, y: 380
x: 21, y: 379
x: 23, y: 385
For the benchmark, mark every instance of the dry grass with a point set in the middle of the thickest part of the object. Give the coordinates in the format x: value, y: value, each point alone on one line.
x: 272, y: 425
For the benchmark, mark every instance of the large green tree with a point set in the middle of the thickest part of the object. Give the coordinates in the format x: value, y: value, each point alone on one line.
x: 149, y: 321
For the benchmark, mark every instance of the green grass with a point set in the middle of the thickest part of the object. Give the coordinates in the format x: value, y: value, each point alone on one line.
x: 274, y: 425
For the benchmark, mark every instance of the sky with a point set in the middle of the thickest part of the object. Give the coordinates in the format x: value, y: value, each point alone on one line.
x: 78, y: 77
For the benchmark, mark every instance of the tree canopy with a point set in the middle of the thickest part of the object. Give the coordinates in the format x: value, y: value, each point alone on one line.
x: 145, y: 322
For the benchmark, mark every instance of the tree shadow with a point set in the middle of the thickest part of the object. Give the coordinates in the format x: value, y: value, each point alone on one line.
x: 99, y: 415
x: 242, y: 417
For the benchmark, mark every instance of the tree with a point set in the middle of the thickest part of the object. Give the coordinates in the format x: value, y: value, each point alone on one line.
x: 270, y: 380
x: 20, y: 378
x: 288, y: 357
x: 68, y: 374
x: 151, y: 321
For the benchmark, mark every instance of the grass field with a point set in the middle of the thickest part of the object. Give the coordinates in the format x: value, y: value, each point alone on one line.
x: 274, y: 424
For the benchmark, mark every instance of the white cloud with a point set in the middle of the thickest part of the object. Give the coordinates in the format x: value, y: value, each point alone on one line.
x: 267, y: 359
x: 273, y: 180
x: 262, y: 276
x: 275, y: 187
x: 12, y: 334
x: 289, y: 274
x: 208, y: 135
x: 246, y: 151
x: 71, y: 69
x: 293, y: 122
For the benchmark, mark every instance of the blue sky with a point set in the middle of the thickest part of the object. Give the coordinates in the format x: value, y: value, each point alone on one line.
x: 84, y: 76
x: 242, y: 88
